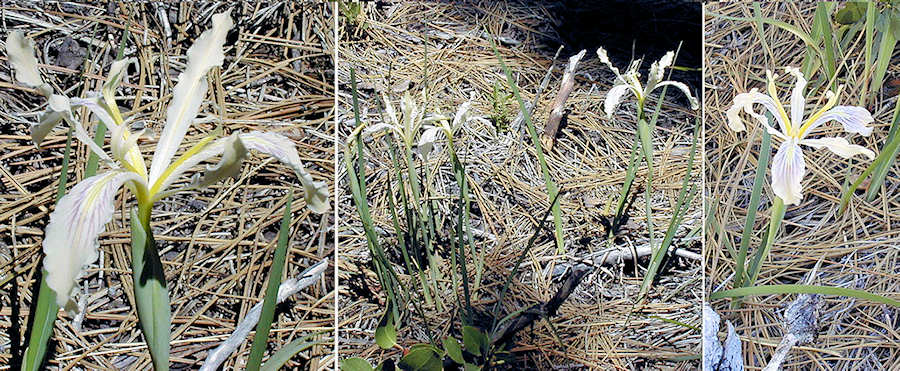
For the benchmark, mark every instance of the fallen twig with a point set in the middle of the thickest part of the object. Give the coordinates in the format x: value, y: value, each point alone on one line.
x: 542, y: 310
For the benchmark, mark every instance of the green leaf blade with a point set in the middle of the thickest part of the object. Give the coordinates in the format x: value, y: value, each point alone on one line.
x: 150, y: 294
x: 268, y: 310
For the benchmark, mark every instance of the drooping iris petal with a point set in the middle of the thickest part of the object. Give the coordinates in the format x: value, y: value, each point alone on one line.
x: 280, y: 147
x: 70, y: 240
x: 788, y: 168
x: 839, y: 146
x: 21, y: 56
x: 426, y: 141
x: 275, y: 145
x: 56, y: 112
x: 614, y: 97
x: 59, y: 109
x: 684, y: 89
x: 745, y: 102
x: 233, y: 153
x: 798, y: 101
x: 854, y: 119
x: 206, y: 52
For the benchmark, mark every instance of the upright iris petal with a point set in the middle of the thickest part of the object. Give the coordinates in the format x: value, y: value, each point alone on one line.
x: 789, y: 165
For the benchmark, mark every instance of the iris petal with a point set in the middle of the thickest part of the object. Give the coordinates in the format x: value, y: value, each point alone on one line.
x: 684, y: 89
x: 788, y: 168
x: 839, y: 146
x: 20, y: 51
x: 658, y: 69
x: 614, y: 97
x: 798, y: 101
x: 746, y: 101
x: 854, y: 119
x: 190, y: 91
x: 70, y: 241
x: 280, y: 147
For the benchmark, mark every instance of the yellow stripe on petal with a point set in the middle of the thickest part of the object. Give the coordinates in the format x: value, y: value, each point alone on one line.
x: 774, y: 94
x: 832, y: 101
x: 164, y: 179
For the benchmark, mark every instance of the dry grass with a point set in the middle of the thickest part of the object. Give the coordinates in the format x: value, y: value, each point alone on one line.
x: 588, y: 162
x: 215, y: 244
x: 859, y: 248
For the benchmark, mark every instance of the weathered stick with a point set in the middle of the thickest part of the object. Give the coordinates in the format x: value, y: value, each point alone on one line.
x: 537, y: 311
x: 559, y: 104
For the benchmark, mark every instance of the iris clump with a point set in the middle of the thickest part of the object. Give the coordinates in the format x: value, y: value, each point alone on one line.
x: 71, y: 236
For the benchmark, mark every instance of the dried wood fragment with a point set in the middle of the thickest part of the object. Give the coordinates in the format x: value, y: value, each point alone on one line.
x: 558, y: 110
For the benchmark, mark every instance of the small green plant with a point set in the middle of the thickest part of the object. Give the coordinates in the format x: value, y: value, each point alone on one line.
x: 501, y: 114
x: 353, y: 12
x: 70, y: 241
x: 475, y: 352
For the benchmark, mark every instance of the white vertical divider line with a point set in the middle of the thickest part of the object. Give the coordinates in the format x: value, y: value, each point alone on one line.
x: 703, y: 194
x: 336, y: 193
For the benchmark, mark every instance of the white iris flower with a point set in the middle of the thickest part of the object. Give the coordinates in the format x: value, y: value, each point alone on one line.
x: 70, y: 241
x: 788, y: 166
x: 630, y: 82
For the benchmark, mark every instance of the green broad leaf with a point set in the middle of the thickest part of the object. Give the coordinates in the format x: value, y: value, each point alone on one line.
x: 356, y: 364
x: 386, y: 333
x: 268, y: 310
x: 476, y: 342
x: 851, y: 13
x: 421, y: 359
x: 426, y: 346
x: 283, y: 355
x: 454, y: 350
x: 150, y: 294
x: 471, y: 367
